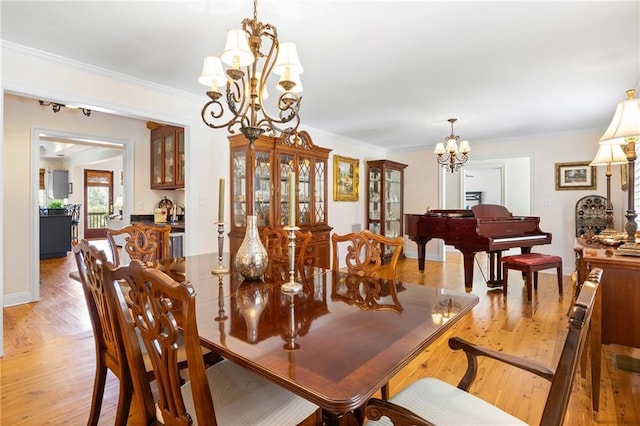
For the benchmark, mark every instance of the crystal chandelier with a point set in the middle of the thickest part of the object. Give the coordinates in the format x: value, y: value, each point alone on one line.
x: 456, y: 156
x: 246, y: 81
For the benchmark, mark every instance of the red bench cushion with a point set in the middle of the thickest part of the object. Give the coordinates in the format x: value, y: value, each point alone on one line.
x: 531, y: 259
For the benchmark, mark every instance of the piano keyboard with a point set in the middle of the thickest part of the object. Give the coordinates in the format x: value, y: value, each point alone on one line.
x: 519, y: 238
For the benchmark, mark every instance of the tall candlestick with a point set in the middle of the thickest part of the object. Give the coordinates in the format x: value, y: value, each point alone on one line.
x: 292, y: 199
x: 221, y: 201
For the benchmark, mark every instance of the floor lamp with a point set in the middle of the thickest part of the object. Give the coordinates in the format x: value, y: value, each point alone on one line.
x: 609, y: 155
x: 625, y: 130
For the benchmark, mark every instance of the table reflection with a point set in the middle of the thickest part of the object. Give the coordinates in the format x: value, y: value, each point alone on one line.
x: 365, y: 293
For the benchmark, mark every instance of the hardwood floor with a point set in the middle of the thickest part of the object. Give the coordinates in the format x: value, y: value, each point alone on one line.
x: 48, y: 367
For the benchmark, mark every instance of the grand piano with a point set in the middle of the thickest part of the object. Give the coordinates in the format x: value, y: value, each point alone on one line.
x: 486, y: 227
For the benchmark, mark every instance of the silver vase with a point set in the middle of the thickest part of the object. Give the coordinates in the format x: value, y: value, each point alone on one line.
x: 251, y: 259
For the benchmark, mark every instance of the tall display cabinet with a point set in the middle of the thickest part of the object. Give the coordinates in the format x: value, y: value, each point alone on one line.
x: 385, y: 184
x: 260, y: 186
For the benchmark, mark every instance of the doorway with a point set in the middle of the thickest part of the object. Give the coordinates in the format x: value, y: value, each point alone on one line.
x: 98, y: 199
x: 103, y: 147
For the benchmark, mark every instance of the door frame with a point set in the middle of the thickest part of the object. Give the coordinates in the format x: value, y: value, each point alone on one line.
x: 34, y: 216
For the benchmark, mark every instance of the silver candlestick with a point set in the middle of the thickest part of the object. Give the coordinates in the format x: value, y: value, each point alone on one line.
x: 291, y: 287
x: 219, y: 270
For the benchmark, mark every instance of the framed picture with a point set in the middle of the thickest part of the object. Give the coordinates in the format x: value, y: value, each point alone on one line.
x: 575, y: 176
x: 345, y: 178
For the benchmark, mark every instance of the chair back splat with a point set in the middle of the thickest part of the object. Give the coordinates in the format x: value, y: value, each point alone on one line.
x: 431, y: 401
x: 146, y: 243
x: 363, y: 252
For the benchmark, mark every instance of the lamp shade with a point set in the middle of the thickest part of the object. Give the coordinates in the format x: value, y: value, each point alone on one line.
x: 212, y: 73
x: 625, y: 123
x: 236, y: 51
x: 439, y: 149
x: 287, y: 62
x: 465, y: 147
x: 452, y: 145
x: 609, y: 154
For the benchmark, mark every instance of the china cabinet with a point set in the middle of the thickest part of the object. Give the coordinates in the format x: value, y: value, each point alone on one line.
x: 260, y: 186
x: 167, y: 157
x: 385, y: 184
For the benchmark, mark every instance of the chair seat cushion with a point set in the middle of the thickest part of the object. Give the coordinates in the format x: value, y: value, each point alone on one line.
x: 531, y: 259
x: 443, y: 404
x: 241, y: 397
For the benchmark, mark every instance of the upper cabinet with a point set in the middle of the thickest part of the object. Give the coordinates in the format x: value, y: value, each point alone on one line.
x: 384, y: 199
x: 167, y: 157
x: 260, y: 187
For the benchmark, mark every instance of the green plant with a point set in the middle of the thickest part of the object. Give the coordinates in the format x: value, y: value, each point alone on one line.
x: 55, y: 204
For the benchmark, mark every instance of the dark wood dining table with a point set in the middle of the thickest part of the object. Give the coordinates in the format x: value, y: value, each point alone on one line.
x: 335, y: 343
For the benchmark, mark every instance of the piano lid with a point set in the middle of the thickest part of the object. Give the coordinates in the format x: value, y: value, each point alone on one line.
x: 490, y: 211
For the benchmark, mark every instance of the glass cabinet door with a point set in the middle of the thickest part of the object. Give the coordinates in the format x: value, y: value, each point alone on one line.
x: 239, y: 177
x: 393, y: 203
x: 169, y: 171
x: 156, y: 161
x: 285, y: 163
x: 304, y: 191
x: 320, y: 191
x: 375, y: 202
x: 262, y: 188
x: 180, y: 158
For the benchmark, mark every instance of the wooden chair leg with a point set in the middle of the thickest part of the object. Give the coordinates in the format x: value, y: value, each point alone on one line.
x: 98, y: 393
x: 385, y: 392
x: 125, y: 397
x: 535, y: 280
x: 505, y: 279
x: 529, y: 284
x: 559, y: 272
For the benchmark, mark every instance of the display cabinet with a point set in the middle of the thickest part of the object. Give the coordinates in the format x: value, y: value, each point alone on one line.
x: 167, y: 157
x: 260, y: 187
x: 385, y: 184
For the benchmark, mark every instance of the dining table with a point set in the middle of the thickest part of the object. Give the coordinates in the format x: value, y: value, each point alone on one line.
x: 335, y: 342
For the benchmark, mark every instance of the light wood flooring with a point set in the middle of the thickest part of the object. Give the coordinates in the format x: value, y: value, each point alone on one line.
x: 48, y: 367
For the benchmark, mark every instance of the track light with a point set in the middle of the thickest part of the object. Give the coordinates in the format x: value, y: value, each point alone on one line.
x: 56, y: 107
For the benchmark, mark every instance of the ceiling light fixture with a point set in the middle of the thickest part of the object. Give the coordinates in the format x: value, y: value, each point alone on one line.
x: 456, y: 156
x: 625, y: 130
x: 246, y: 79
x: 56, y: 107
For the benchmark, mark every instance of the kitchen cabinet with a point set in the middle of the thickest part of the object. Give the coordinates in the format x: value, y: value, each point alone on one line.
x: 167, y: 157
x: 260, y: 186
x: 385, y: 186
x: 55, y: 235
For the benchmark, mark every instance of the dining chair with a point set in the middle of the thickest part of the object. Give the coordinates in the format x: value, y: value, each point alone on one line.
x: 363, y: 256
x: 276, y: 242
x: 364, y: 253
x: 146, y: 243
x: 110, y: 351
x: 224, y: 393
x: 431, y: 401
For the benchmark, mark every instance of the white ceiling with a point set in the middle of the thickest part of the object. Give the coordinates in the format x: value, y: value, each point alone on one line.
x: 386, y: 72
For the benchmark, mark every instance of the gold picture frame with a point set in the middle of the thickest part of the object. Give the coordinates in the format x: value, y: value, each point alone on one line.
x: 575, y: 176
x: 345, y: 178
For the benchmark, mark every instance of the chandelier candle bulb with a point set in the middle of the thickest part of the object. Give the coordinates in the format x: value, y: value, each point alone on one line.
x: 292, y: 199
x: 221, y: 201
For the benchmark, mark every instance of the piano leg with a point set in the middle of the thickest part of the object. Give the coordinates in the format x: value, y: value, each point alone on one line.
x: 495, y: 269
x: 468, y: 258
x: 421, y: 243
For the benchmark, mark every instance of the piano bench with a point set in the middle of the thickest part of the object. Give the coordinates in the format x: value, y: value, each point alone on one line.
x: 530, y: 264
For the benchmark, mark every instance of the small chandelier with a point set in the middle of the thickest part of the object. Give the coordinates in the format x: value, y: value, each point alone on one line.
x: 455, y: 157
x: 246, y: 79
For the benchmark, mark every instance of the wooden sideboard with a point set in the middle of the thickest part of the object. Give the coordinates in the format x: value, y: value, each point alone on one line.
x: 616, y: 317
